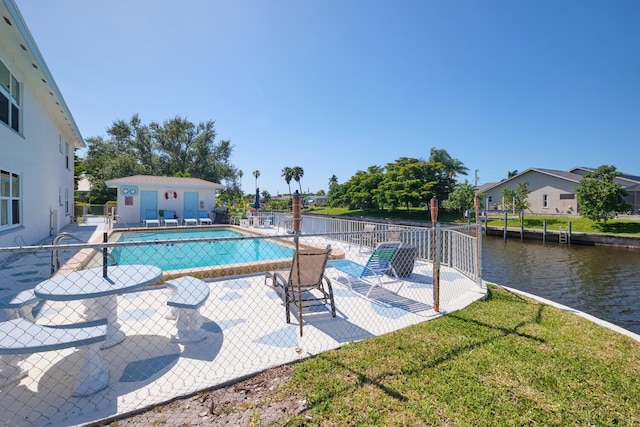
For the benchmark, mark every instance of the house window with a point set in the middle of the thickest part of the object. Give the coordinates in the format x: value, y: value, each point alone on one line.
x: 66, y: 201
x: 66, y: 154
x: 567, y: 196
x: 545, y: 201
x: 9, y: 98
x: 9, y: 198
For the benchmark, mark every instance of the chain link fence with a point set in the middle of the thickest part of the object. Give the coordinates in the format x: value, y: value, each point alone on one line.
x: 150, y: 315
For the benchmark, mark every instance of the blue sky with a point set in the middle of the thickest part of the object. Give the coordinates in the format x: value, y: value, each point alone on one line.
x: 336, y: 86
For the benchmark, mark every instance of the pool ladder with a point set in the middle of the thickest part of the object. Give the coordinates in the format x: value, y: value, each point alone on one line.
x: 55, y: 254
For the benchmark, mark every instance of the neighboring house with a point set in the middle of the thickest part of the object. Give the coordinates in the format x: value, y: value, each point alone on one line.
x: 137, y: 194
x: 316, y: 200
x: 38, y: 136
x: 552, y: 191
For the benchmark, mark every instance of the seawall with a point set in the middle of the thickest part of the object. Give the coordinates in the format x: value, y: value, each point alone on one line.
x: 573, y: 238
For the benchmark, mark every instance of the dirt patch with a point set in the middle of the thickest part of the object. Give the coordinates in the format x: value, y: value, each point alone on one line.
x: 246, y: 403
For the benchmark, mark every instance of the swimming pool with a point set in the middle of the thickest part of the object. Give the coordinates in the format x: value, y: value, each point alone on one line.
x: 227, y: 248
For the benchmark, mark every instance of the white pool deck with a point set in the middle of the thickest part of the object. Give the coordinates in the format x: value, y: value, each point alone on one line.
x: 244, y: 320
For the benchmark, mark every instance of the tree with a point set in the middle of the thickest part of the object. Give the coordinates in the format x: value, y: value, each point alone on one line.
x: 516, y: 199
x: 599, y: 196
x: 512, y: 173
x: 287, y: 173
x: 461, y: 198
x: 407, y: 182
x: 256, y: 174
x: 265, y: 196
x: 332, y: 181
x: 297, y: 173
x: 176, y: 147
x: 452, y: 167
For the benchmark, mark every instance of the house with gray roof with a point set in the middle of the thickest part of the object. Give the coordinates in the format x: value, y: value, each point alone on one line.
x: 139, y: 193
x: 552, y: 192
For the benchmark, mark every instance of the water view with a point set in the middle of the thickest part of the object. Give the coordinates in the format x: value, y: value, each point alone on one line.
x: 600, y: 280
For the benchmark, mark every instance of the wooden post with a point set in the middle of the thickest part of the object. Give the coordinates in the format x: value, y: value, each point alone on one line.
x: 436, y: 264
x: 296, y: 212
x: 296, y: 231
x: 504, y: 230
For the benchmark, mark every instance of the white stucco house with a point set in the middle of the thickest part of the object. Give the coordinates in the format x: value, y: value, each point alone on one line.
x: 139, y: 193
x: 552, y: 192
x: 38, y: 136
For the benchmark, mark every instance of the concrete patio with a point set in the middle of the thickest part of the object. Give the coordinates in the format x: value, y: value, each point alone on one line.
x: 244, y: 320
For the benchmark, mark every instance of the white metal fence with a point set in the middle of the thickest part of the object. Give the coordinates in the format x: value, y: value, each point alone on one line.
x: 160, y: 336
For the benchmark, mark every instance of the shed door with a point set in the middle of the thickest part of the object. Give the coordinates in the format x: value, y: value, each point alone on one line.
x: 148, y: 200
x: 191, y: 202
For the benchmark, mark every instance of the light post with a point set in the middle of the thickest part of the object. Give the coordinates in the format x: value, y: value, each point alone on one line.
x: 436, y: 261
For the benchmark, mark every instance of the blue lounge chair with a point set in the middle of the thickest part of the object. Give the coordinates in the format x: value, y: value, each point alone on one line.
x: 203, y: 217
x: 151, y: 217
x: 189, y: 219
x: 378, y: 266
x: 170, y: 218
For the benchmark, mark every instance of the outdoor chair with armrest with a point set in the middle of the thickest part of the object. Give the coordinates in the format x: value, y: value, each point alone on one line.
x: 304, y: 285
x: 378, y: 267
x: 364, y: 238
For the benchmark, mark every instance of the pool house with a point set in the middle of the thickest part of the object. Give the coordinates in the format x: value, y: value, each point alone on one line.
x: 140, y: 194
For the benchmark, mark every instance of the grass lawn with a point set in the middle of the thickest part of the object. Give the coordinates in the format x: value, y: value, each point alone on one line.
x: 580, y: 225
x: 506, y: 361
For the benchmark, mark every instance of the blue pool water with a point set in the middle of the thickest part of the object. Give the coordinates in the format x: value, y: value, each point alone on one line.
x: 178, y: 256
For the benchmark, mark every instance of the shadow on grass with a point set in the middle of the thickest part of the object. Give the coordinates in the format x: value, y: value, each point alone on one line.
x: 446, y: 354
x: 620, y: 227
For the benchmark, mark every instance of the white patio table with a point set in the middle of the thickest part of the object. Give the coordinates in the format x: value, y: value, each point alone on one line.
x: 99, y: 293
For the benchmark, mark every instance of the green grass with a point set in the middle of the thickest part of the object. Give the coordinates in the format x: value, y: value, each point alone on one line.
x: 506, y: 361
x: 579, y: 225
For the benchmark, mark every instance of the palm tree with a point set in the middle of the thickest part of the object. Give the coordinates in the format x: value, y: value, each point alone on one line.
x: 452, y: 166
x: 287, y: 173
x: 332, y: 182
x: 297, y: 173
x: 256, y: 173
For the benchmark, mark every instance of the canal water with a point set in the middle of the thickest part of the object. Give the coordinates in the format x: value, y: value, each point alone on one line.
x: 602, y: 281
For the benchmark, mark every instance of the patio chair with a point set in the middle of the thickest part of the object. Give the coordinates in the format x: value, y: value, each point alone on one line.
x: 203, y: 217
x: 170, y: 218
x: 393, y: 234
x: 366, y: 238
x: 189, y: 219
x: 151, y: 218
x: 305, y: 285
x: 378, y: 267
